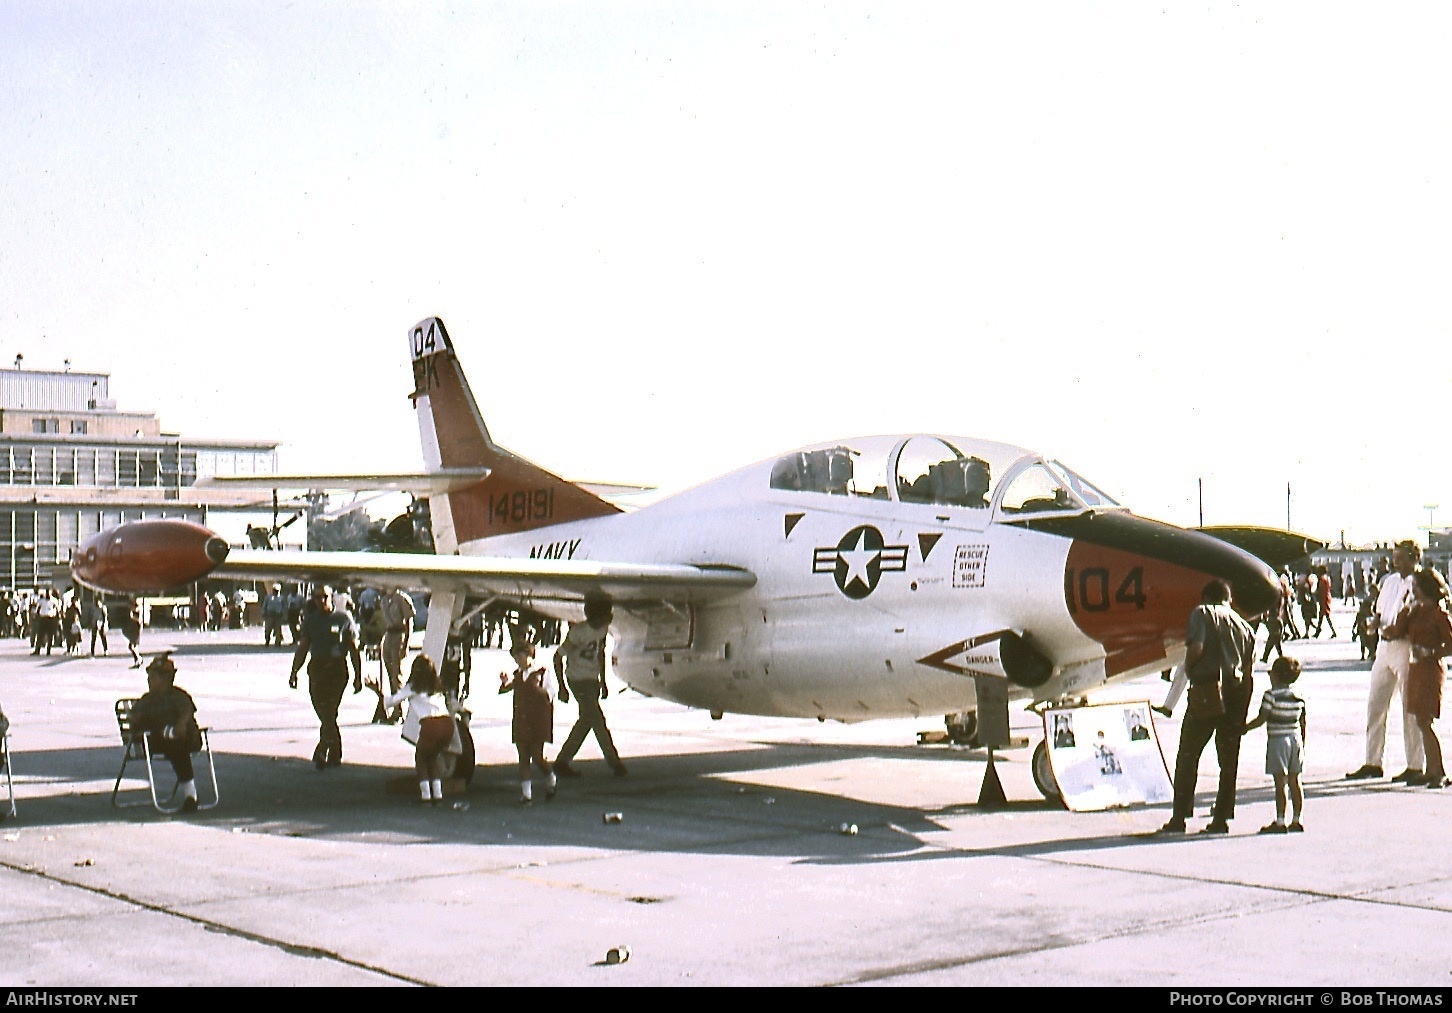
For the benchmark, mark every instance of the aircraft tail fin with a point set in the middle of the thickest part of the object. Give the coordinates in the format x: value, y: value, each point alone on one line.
x: 517, y: 495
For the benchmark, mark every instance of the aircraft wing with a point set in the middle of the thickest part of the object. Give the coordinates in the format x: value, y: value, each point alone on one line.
x: 524, y: 580
x: 142, y: 557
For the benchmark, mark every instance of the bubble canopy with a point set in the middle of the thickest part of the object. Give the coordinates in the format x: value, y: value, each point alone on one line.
x: 950, y: 471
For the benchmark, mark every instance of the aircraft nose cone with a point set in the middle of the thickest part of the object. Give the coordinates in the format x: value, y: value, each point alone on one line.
x: 217, y: 549
x: 1253, y: 587
x: 1193, y: 558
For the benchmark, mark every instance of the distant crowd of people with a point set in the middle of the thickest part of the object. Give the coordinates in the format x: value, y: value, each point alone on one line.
x: 53, y: 620
x: 1310, y: 595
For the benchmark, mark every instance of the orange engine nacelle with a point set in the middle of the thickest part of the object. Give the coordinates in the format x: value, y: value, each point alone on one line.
x: 148, y: 556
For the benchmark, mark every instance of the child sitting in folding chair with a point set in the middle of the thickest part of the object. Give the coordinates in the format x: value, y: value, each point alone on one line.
x: 168, y: 713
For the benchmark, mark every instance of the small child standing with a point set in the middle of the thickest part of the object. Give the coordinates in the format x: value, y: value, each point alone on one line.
x: 534, y: 716
x: 1284, y: 716
x: 429, y: 722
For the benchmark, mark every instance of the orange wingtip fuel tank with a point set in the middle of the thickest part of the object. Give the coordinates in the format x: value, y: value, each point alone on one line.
x: 147, y: 556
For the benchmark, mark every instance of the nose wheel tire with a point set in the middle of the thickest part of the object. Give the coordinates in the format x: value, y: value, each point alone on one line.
x: 1044, y: 774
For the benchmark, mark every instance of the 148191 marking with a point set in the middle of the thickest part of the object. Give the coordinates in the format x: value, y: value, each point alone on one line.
x: 522, y: 505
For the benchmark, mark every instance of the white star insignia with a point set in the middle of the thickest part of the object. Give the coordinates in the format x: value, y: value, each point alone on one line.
x: 857, y: 560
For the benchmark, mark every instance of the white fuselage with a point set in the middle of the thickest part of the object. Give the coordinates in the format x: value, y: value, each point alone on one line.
x: 798, y: 644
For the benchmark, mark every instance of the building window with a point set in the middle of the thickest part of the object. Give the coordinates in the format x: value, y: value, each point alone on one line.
x: 44, y: 466
x: 65, y: 467
x: 37, y: 425
x: 86, y: 466
x: 46, y: 549
x: 78, y: 426
x: 169, y: 463
x: 106, y: 467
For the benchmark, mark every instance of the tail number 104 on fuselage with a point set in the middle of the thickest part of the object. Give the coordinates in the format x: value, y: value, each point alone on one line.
x: 1088, y: 589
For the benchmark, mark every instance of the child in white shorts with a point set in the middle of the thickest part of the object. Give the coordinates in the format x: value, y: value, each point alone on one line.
x: 1284, y: 715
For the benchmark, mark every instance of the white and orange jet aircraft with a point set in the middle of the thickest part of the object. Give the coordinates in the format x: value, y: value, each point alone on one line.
x: 856, y: 579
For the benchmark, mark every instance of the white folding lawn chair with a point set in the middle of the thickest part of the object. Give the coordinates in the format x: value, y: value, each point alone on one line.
x: 136, y: 745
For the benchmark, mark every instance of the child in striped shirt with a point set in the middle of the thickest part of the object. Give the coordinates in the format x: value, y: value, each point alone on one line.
x: 1284, y: 716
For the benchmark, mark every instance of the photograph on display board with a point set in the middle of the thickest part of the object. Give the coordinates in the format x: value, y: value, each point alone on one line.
x: 1136, y: 719
x: 1106, y: 755
x: 1064, y: 730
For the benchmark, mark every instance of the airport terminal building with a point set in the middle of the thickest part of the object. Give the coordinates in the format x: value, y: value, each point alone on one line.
x: 72, y: 464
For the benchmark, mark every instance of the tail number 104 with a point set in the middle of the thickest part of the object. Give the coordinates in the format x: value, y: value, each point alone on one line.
x: 1089, y: 589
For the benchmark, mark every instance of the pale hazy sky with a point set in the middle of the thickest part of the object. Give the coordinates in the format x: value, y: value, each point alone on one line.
x: 1162, y: 242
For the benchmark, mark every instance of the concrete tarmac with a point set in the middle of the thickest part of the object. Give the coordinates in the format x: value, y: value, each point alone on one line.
x: 727, y: 868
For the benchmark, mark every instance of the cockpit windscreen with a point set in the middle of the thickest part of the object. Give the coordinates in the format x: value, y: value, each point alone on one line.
x: 1051, y: 486
x: 1090, y: 494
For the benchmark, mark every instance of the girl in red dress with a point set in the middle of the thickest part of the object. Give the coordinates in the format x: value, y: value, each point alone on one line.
x: 534, y: 692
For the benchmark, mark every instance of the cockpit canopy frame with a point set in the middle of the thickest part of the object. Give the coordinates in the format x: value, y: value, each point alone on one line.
x: 942, y: 471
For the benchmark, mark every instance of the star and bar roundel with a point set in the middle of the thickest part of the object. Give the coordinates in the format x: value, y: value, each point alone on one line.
x: 859, y: 560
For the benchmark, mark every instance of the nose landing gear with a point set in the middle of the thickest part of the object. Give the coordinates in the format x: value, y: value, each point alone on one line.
x: 1043, y: 773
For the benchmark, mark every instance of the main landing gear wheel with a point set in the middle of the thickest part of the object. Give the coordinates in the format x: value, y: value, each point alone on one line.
x: 1044, y: 774
x: 962, y: 727
x: 461, y: 765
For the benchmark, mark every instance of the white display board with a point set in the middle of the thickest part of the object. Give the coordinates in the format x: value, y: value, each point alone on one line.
x: 1106, y: 755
